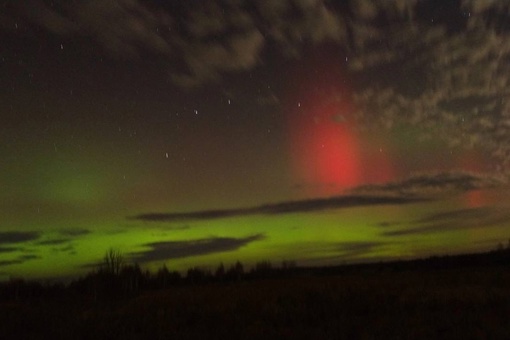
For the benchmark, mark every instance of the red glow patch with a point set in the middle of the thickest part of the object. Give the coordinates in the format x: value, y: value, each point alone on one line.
x: 473, y: 161
x: 475, y: 199
x: 324, y: 148
x: 327, y: 152
x: 327, y: 149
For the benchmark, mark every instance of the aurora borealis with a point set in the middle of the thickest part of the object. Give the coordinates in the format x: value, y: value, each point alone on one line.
x: 193, y: 133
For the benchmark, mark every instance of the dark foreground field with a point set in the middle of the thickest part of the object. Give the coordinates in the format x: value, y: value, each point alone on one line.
x: 429, y: 303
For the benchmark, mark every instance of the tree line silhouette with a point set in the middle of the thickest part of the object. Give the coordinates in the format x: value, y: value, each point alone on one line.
x: 114, y: 278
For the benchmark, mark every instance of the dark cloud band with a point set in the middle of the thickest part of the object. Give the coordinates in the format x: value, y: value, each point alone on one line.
x: 283, y: 208
x: 427, y: 184
x: 10, y: 237
x: 482, y: 217
x: 181, y: 249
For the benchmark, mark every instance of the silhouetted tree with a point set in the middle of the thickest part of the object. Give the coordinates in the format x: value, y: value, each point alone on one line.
x: 107, y: 282
x: 165, y: 278
x: 162, y: 276
x: 235, y: 272
x: 220, y: 272
x: 19, y: 289
x: 262, y: 269
x: 263, y: 266
x: 112, y: 262
x: 286, y: 265
x: 197, y: 275
x: 131, y: 278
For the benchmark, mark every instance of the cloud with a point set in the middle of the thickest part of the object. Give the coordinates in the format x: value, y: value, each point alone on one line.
x: 62, y: 237
x: 10, y: 237
x: 386, y: 224
x: 21, y: 259
x: 482, y: 217
x: 471, y: 213
x: 28, y: 257
x: 352, y: 250
x: 480, y: 7
x: 268, y: 100
x: 9, y: 262
x: 443, y: 68
x: 67, y: 249
x: 290, y: 23
x: 53, y: 242
x: 394, y: 9
x: 180, y: 249
x: 204, y: 39
x: 283, y: 208
x: 43, y: 15
x: 424, y: 185
x: 446, y: 71
x: 125, y: 27
x: 206, y: 61
x: 73, y: 232
x: 231, y: 37
x: 364, y: 9
x: 332, y: 252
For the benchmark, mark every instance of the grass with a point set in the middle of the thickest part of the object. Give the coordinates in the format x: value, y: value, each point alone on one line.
x: 375, y: 303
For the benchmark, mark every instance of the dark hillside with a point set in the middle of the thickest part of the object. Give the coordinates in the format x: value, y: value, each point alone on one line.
x: 461, y: 297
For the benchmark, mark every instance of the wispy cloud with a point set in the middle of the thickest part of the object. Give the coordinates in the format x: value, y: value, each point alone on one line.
x: 352, y: 250
x: 7, y: 249
x: 283, y: 208
x: 482, y: 217
x: 29, y: 257
x: 9, y: 262
x: 180, y: 249
x: 11, y: 237
x: 442, y: 68
x: 53, y: 242
x: 415, y: 189
x: 69, y: 248
x: 341, y: 251
x: 73, y: 232
x: 206, y: 39
x: 430, y: 184
x: 19, y: 260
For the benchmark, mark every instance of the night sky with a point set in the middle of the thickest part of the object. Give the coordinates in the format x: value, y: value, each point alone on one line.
x: 190, y: 133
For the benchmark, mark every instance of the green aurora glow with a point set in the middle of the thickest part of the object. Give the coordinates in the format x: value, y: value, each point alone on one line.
x: 165, y: 120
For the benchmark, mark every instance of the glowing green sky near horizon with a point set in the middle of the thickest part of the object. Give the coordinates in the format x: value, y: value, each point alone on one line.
x: 79, y: 185
x: 165, y: 119
x: 308, y: 238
